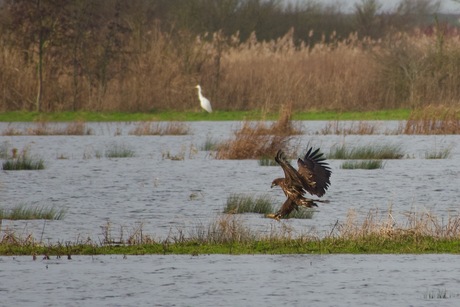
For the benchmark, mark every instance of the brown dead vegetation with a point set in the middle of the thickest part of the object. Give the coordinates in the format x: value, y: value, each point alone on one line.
x: 260, y: 139
x: 339, y: 127
x: 388, y: 225
x: 163, y: 128
x: 433, y: 120
x: 158, y: 70
x: 46, y: 128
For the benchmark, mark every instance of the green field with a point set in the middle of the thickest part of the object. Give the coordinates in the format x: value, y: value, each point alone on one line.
x: 399, y: 114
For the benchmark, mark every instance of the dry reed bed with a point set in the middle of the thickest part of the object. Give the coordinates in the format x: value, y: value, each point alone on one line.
x: 384, y: 226
x: 387, y: 226
x: 260, y: 139
x: 434, y: 120
x: 46, y: 128
x: 426, y: 120
x: 251, y: 145
x: 400, y: 71
x: 266, y: 74
x: 360, y: 128
x: 156, y: 128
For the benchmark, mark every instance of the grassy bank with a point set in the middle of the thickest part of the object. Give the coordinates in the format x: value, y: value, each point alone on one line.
x: 375, y: 233
x: 397, y: 114
x: 366, y: 245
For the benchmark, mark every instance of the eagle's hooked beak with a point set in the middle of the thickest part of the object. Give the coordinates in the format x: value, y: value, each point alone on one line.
x: 273, y: 184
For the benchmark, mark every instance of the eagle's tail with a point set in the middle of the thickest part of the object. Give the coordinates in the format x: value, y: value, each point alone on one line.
x: 309, y: 203
x: 324, y: 201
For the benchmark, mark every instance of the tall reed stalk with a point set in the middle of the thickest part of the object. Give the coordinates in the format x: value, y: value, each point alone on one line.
x: 157, y: 70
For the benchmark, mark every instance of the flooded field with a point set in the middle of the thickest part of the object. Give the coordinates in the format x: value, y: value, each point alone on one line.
x: 161, y: 195
x: 223, y: 280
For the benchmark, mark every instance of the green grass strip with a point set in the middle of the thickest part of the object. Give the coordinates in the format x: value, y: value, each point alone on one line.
x: 365, y: 245
x: 19, y: 116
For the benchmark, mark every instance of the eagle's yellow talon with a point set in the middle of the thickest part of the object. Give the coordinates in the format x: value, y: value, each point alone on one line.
x: 273, y: 216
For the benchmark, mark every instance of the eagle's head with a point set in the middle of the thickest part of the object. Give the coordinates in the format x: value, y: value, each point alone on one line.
x: 277, y: 182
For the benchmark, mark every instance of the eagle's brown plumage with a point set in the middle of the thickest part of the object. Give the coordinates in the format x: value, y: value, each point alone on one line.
x: 312, y: 177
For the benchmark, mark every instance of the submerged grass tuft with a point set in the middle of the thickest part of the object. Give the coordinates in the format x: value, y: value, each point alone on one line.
x: 302, y: 213
x: 366, y: 152
x: 119, y: 151
x: 4, y: 150
x: 210, y: 144
x: 22, y: 161
x: 23, y: 212
x: 364, y: 164
x: 239, y: 203
x: 267, y: 162
x: 436, y: 294
x: 438, y: 154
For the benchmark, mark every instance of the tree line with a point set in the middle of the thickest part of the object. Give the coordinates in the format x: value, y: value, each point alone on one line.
x: 86, y: 44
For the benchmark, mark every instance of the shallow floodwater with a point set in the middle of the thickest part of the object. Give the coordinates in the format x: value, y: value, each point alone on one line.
x: 162, y: 196
x: 224, y: 280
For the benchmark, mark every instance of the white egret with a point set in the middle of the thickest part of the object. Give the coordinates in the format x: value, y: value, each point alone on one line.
x: 204, y: 102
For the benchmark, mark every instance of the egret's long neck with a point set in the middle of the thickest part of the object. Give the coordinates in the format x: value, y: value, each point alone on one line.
x: 199, y: 92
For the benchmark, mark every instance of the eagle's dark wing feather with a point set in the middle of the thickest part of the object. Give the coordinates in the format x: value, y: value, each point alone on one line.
x: 291, y: 176
x: 315, y: 172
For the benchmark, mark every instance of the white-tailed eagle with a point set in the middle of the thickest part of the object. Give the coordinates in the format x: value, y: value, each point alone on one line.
x: 313, y: 176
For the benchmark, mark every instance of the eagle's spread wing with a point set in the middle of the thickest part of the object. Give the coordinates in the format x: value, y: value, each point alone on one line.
x: 315, y: 172
x: 291, y: 176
